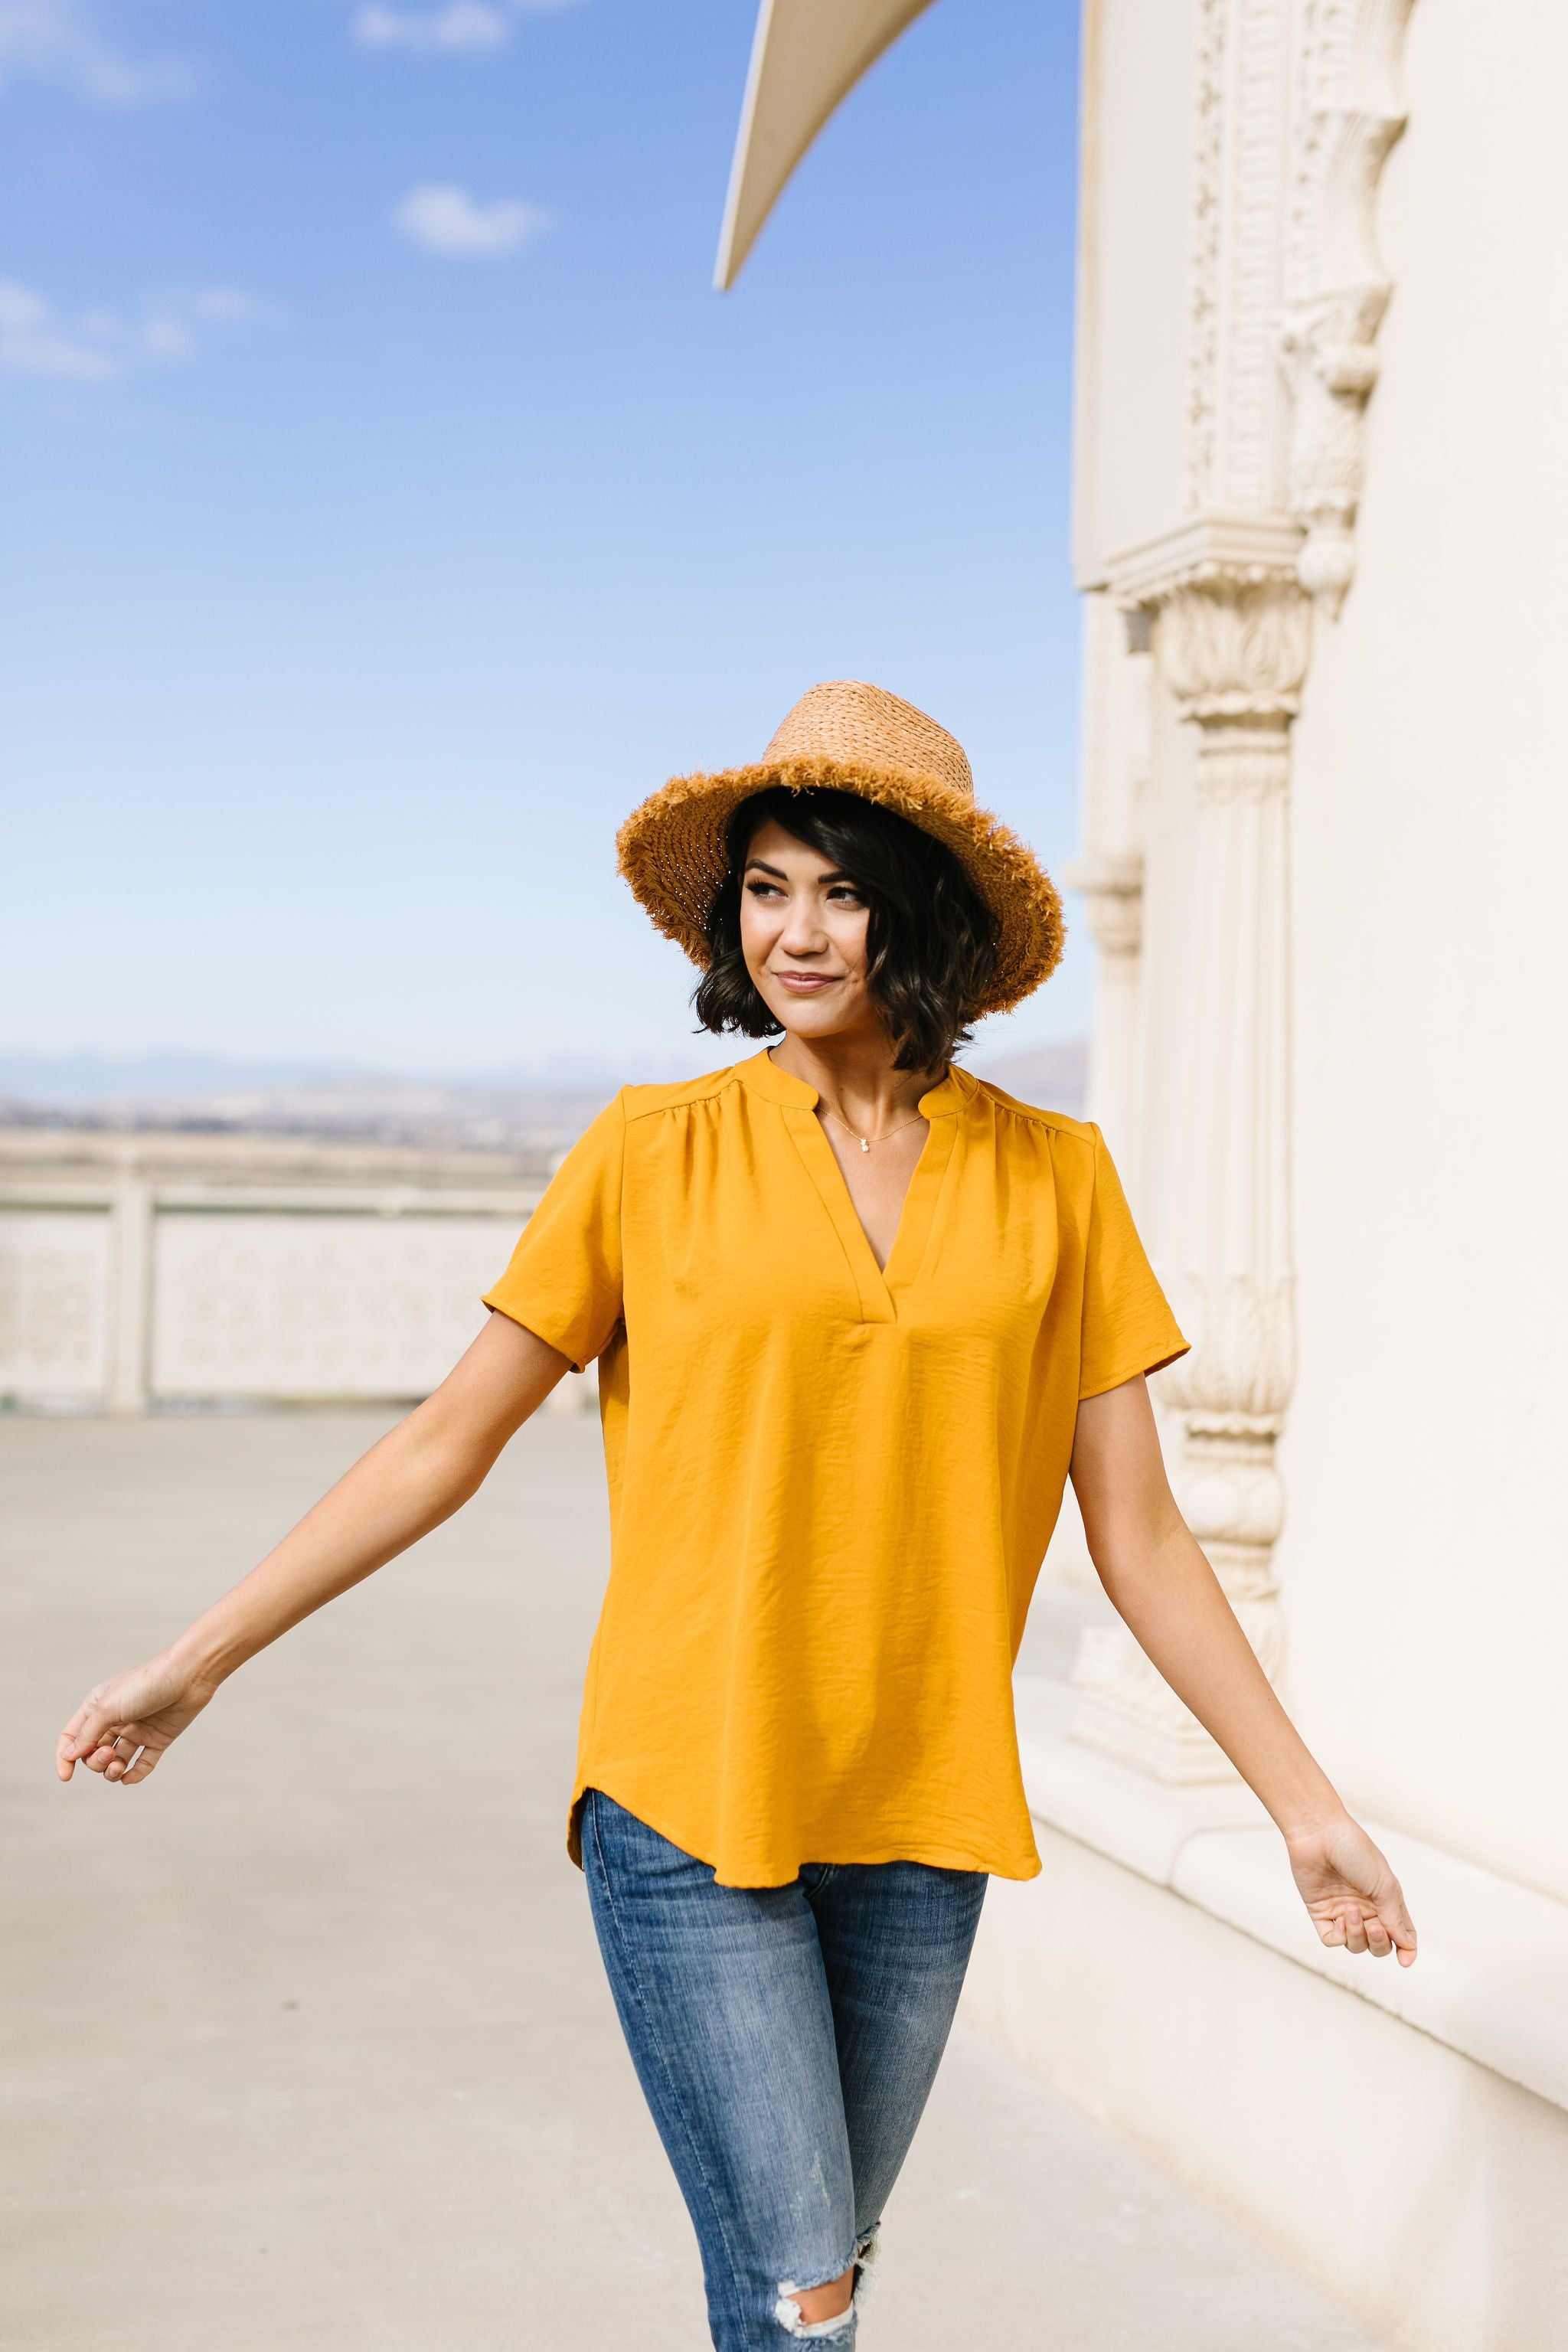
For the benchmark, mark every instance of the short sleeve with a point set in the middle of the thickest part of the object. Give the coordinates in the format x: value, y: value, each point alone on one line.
x: 565, y: 1279
x: 1127, y: 1325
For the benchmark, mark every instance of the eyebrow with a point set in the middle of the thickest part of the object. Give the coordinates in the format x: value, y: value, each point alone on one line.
x: 763, y: 867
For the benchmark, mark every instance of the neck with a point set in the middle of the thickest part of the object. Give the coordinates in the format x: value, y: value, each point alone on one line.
x: 855, y: 1078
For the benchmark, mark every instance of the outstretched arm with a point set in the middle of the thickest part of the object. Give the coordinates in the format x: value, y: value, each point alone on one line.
x: 412, y: 1480
x: 1169, y: 1596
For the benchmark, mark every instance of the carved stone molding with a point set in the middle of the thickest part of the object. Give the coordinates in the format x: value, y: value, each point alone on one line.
x: 1111, y: 887
x: 1296, y: 106
x: 1233, y: 644
x: 1241, y: 110
x: 1350, y: 111
x: 1110, y: 871
x: 1201, y: 419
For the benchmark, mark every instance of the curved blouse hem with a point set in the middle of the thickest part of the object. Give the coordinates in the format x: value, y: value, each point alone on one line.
x: 935, y: 1856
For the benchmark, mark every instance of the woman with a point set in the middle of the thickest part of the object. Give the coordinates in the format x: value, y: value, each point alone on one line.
x: 855, y: 1314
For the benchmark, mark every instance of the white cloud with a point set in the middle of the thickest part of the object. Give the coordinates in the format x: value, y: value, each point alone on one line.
x: 458, y: 27
x: 462, y: 25
x: 99, y: 345
x: 59, y: 41
x: 232, y: 306
x: 444, y: 219
x: 163, y: 338
x: 35, y: 342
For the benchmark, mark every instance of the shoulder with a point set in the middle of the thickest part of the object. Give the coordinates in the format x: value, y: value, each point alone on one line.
x: 654, y: 1102
x: 1050, y: 1126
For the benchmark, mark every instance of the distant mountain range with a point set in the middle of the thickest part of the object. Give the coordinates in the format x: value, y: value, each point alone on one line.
x: 65, y: 1079
x: 1051, y: 1076
x: 529, y: 1109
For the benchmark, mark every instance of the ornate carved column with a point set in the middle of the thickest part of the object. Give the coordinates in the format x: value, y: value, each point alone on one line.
x: 1233, y: 645
x: 1295, y: 107
x: 1350, y: 112
x: 1110, y: 871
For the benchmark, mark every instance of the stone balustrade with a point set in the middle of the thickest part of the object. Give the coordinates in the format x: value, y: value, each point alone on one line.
x: 158, y: 1270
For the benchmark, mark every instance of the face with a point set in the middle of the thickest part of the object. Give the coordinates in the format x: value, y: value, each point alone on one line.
x: 803, y: 934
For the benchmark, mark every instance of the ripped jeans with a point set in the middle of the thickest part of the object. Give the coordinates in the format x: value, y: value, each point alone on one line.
x: 786, y: 2039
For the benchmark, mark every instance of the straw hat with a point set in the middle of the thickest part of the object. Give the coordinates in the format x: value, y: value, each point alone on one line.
x: 849, y: 738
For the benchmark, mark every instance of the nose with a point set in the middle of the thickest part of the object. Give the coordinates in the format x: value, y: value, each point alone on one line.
x: 803, y: 934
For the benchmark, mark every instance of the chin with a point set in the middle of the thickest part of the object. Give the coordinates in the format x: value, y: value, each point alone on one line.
x: 815, y: 1021
x: 807, y: 1020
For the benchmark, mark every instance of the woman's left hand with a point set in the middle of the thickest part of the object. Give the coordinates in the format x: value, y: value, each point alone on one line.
x: 1351, y: 1892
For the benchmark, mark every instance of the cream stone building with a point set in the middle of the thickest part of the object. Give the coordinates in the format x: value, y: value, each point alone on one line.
x: 1320, y: 498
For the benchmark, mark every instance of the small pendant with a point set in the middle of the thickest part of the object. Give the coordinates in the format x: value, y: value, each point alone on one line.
x: 865, y: 1143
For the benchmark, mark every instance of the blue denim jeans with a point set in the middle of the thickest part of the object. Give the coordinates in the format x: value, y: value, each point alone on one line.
x: 786, y: 2039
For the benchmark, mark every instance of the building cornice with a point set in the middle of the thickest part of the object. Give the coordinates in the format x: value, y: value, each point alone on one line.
x: 1241, y: 549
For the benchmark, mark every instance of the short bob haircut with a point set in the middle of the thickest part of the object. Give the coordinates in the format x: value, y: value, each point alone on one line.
x: 931, y: 940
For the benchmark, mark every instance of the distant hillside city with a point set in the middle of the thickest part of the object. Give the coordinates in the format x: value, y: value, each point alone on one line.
x: 538, y: 1114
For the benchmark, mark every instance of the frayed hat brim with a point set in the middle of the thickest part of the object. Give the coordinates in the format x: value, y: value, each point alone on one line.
x: 670, y: 852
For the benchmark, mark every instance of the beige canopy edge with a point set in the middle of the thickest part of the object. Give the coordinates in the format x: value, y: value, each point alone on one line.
x: 806, y: 57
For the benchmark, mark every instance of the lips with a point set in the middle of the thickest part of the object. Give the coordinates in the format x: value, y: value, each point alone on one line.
x: 806, y: 983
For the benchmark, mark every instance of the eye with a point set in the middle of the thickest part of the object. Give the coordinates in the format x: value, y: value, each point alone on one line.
x: 761, y: 888
x: 845, y: 894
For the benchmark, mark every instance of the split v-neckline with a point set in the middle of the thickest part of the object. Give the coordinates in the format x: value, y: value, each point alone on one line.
x: 878, y: 1286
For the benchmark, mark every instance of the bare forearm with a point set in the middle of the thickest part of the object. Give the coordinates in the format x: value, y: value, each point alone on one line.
x: 1170, y: 1597
x: 419, y: 1474
x: 416, y: 1476
x: 1172, y: 1601
x: 397, y: 1492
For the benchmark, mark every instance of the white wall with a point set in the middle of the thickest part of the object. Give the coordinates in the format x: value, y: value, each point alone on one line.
x: 1426, y: 1558
x: 1422, y: 2187
x: 1133, y: 274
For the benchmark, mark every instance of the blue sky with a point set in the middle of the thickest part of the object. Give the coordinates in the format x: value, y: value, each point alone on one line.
x: 389, y: 503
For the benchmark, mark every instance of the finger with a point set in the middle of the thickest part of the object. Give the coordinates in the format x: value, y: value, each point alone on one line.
x: 98, y: 1731
x: 82, y: 1715
x: 102, y: 1755
x: 65, y: 1758
x: 1400, y: 1927
x: 1355, y: 1932
x: 1333, y: 1931
x: 85, y: 1730
x: 1379, y: 1942
x: 128, y: 1749
x: 137, y: 1772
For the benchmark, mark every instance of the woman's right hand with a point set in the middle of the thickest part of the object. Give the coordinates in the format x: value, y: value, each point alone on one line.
x: 122, y: 1729
x: 412, y: 1480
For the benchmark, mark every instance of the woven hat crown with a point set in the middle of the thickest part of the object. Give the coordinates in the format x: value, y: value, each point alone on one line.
x: 845, y: 736
x: 848, y: 720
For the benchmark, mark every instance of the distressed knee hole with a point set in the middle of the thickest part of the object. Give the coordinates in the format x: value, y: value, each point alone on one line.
x: 828, y: 2317
x: 791, y: 2318
x: 789, y: 2311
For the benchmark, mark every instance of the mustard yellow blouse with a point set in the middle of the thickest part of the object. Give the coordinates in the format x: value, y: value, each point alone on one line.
x: 831, y: 1488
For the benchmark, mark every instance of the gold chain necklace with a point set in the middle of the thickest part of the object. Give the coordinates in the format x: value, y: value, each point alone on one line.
x: 866, y: 1141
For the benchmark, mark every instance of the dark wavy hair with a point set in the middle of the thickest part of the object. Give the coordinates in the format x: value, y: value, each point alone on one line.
x: 929, y: 938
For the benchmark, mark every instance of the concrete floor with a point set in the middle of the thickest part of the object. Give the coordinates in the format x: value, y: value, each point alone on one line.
x: 307, y: 2042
